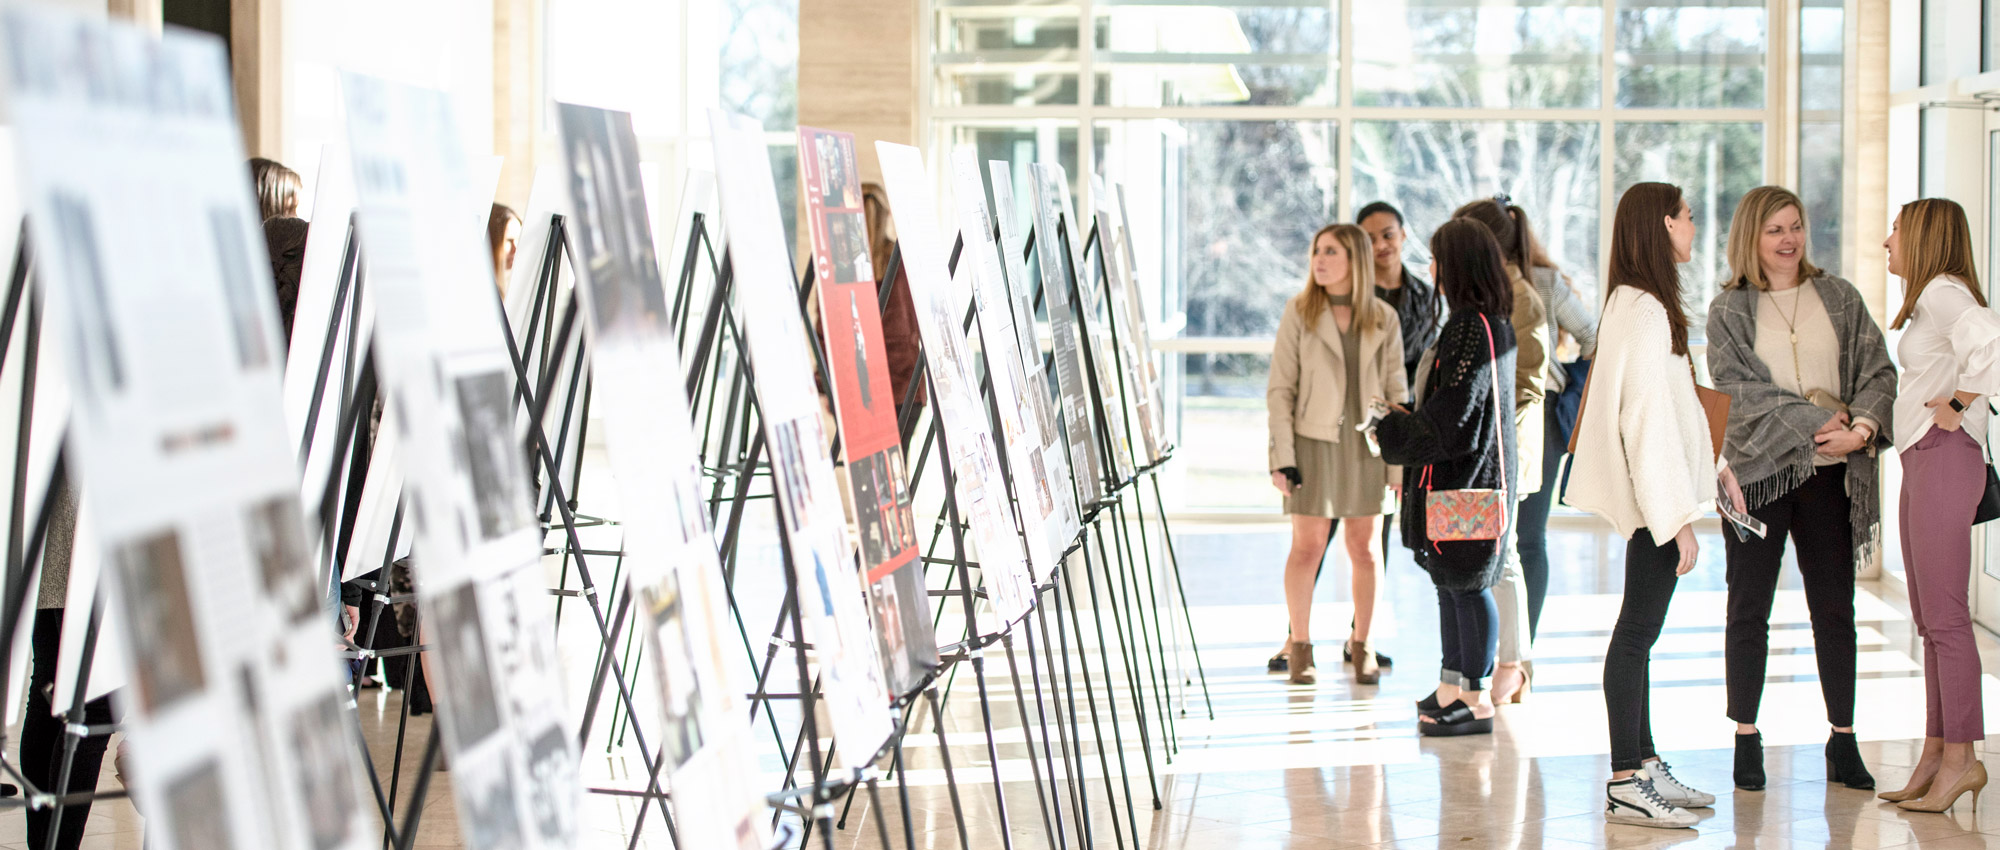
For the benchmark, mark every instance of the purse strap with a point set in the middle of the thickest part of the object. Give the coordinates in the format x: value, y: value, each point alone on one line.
x: 1499, y: 412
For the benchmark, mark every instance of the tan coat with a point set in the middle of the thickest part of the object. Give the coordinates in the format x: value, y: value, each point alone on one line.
x: 1531, y: 373
x: 1307, y: 393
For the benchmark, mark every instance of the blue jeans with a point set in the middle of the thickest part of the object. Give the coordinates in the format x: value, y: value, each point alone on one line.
x: 1465, y: 626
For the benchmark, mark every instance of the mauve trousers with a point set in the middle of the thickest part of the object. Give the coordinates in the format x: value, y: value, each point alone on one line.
x: 1944, y: 475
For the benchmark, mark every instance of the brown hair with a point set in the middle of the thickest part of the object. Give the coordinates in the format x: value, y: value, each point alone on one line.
x: 1471, y: 272
x: 1360, y: 275
x: 1746, y: 230
x: 1642, y: 254
x: 881, y: 227
x: 1935, y: 241
x: 497, y: 220
x: 277, y: 188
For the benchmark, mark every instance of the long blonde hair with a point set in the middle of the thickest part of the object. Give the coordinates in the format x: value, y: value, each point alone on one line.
x: 1746, y: 230
x: 1360, y: 274
x: 1935, y: 241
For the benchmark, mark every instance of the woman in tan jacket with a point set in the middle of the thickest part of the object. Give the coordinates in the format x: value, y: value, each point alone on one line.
x: 1338, y: 346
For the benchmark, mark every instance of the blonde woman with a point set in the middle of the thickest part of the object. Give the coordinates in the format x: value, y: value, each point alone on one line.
x: 1338, y: 346
x: 1811, y: 388
x: 1950, y: 353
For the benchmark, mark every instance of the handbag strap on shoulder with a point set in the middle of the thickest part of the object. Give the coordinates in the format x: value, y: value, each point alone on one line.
x: 1499, y: 412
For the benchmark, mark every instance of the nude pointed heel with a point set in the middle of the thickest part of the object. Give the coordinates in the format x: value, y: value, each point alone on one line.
x: 1974, y: 781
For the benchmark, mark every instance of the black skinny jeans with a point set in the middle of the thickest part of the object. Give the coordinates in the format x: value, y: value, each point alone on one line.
x: 42, y: 739
x: 1649, y: 589
x: 1532, y: 539
x: 1815, y: 516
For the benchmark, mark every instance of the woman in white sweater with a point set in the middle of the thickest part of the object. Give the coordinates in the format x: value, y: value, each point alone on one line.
x: 1950, y: 353
x: 1645, y: 463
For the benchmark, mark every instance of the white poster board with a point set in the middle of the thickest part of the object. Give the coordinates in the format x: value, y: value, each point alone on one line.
x: 162, y: 303
x: 981, y: 493
x: 673, y: 571
x: 814, y: 524
x: 1042, y: 398
x: 443, y: 361
x: 1079, y: 420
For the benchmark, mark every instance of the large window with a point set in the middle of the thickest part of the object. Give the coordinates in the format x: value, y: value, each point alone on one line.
x: 1238, y: 127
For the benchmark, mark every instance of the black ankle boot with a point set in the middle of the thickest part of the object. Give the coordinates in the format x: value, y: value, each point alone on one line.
x: 1843, y: 762
x: 1750, y: 761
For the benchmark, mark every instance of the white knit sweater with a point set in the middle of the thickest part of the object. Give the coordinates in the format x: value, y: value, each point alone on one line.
x: 1643, y: 459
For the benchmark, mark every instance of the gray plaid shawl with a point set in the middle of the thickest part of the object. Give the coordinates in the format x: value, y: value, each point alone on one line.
x: 1769, y: 442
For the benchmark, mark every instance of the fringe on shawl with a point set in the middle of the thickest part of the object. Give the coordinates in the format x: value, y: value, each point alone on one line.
x: 1864, y: 513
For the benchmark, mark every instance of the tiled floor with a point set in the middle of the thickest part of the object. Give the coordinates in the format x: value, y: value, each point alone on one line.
x: 1340, y: 765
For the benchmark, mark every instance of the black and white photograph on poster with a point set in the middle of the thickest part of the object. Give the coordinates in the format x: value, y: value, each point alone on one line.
x: 868, y: 508
x: 673, y: 652
x: 789, y: 459
x: 847, y: 232
x: 866, y: 385
x: 612, y: 236
x: 95, y: 345
x: 320, y: 742
x: 463, y: 665
x: 276, y: 533
x: 551, y: 771
x: 906, y: 531
x: 159, y: 620
x: 492, y: 456
x: 490, y: 819
x: 199, y: 814
x: 886, y: 602
x: 233, y: 258
x: 836, y: 169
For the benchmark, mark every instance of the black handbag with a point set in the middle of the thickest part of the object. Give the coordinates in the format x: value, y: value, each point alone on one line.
x: 1989, y: 503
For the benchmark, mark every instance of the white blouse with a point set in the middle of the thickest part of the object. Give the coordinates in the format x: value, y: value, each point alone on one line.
x: 1951, y: 343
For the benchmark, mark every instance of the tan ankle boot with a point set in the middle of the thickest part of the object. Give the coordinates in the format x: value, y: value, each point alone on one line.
x: 1301, y: 664
x: 1367, y: 670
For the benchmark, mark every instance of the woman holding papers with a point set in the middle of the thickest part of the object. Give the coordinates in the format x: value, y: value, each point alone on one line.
x: 1950, y: 353
x: 1811, y: 389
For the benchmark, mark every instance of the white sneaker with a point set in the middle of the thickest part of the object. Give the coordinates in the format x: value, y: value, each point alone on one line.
x: 1673, y: 789
x: 1635, y: 802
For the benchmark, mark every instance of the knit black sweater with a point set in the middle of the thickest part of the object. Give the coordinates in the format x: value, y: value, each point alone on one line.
x: 1453, y: 435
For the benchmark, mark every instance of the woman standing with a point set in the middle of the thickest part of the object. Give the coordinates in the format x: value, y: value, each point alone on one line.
x: 1810, y: 387
x: 1950, y: 353
x: 1461, y: 437
x: 1532, y: 332
x: 1645, y: 463
x: 1337, y: 346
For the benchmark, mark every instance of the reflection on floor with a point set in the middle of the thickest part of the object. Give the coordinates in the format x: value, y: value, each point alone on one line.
x: 1340, y: 765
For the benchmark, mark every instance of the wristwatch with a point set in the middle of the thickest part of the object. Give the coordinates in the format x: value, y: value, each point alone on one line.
x: 1957, y: 405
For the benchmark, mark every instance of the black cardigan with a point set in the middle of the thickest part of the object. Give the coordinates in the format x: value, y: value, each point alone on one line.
x: 1452, y: 433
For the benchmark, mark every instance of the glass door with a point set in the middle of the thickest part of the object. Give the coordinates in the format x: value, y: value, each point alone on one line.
x: 1986, y: 538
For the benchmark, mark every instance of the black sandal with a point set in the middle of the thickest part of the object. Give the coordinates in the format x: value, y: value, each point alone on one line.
x: 1454, y: 720
x: 1429, y: 704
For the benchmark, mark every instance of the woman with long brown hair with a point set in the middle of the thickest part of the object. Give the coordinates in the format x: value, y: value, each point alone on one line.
x: 1338, y: 345
x: 1811, y: 390
x: 1461, y: 437
x: 1950, y: 352
x: 1644, y: 462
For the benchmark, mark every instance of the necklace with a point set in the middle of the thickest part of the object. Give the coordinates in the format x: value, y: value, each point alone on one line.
x: 1792, y: 329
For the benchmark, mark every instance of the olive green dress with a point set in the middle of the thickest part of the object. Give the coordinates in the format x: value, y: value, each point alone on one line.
x: 1341, y: 479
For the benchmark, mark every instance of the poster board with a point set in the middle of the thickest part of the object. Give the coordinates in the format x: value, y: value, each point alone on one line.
x: 672, y: 568
x: 160, y: 301
x: 864, y: 407
x: 1042, y: 398
x: 481, y: 592
x: 1153, y: 384
x: 822, y: 559
x: 1078, y: 416
x: 1042, y: 494
x: 1132, y: 359
x: 1095, y: 323
x: 979, y: 489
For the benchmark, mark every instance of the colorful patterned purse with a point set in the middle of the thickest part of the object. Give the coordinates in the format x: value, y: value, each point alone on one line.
x: 1458, y: 515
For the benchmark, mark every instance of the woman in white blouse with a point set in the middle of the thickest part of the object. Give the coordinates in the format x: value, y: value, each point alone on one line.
x: 1950, y: 352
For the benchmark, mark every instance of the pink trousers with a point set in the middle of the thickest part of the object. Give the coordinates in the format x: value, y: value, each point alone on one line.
x: 1944, y: 475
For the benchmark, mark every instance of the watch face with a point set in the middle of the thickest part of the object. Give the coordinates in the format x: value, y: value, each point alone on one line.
x: 1958, y: 405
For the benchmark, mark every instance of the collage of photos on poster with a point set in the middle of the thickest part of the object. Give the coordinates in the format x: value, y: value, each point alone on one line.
x: 822, y: 560
x: 228, y: 668
x: 975, y: 467
x: 501, y: 700
x: 1079, y: 427
x: 672, y: 565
